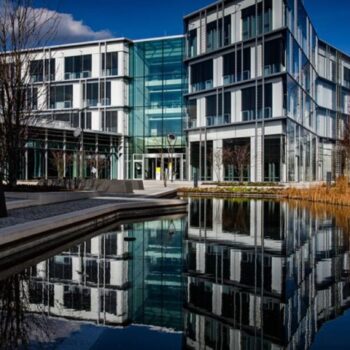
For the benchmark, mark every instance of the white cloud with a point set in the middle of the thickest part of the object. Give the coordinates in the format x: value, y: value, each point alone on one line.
x: 68, y: 29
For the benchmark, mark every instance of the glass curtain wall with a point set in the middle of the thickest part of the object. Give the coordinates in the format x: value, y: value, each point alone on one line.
x: 157, y: 91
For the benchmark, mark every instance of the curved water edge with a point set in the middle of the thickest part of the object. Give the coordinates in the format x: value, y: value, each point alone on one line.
x: 229, y: 274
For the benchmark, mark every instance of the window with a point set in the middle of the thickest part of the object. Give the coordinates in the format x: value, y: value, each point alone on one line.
x: 192, y: 43
x: 272, y: 158
x: 296, y: 61
x: 72, y: 119
x: 41, y: 70
x: 249, y: 103
x: 227, y: 30
x: 243, y: 64
x: 214, y: 109
x: 61, y: 96
x: 110, y: 63
x: 252, y: 26
x: 110, y: 121
x: 236, y: 159
x: 192, y: 113
x: 32, y: 98
x: 347, y: 77
x: 219, y: 33
x: 91, y: 94
x: 77, y: 67
x: 274, y: 56
x: 302, y: 26
x: 229, y: 69
x: 212, y: 36
x: 202, y: 75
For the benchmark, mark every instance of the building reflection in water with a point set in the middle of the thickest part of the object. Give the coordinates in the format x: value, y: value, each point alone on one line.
x: 234, y: 274
x: 261, y: 274
x: 132, y: 274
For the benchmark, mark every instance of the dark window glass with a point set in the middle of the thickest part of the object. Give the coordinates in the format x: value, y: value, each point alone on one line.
x: 243, y: 64
x: 31, y: 97
x: 212, y: 36
x: 91, y: 94
x: 77, y: 67
x: 227, y: 30
x: 110, y: 63
x: 192, y: 113
x: 236, y: 159
x: 214, y: 106
x: 274, y: 56
x: 229, y: 69
x: 272, y: 151
x: 347, y: 77
x: 110, y: 121
x: 41, y: 70
x: 192, y: 43
x: 249, y: 103
x: 202, y: 75
x: 252, y: 25
x: 61, y: 96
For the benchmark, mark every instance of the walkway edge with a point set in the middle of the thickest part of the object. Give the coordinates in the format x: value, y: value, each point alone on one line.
x: 33, y: 233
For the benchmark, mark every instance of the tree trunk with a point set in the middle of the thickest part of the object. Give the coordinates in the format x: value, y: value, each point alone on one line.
x: 3, y: 209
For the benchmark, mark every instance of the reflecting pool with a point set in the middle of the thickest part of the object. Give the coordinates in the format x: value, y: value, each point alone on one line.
x: 231, y: 274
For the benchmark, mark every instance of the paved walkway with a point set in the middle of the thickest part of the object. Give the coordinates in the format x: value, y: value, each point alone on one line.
x: 22, y: 215
x: 23, y: 210
x: 157, y: 188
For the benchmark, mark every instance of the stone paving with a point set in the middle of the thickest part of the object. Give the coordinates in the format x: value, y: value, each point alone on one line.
x: 19, y: 216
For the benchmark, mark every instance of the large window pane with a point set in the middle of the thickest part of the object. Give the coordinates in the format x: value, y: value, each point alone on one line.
x: 202, y: 75
x: 110, y: 63
x: 77, y: 67
x: 61, y: 96
x: 274, y: 56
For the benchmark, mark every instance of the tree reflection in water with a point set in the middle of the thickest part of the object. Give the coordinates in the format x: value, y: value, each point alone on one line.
x: 17, y: 325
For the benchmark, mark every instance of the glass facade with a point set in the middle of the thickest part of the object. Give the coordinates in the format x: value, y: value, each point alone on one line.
x: 156, y: 96
x: 289, y: 88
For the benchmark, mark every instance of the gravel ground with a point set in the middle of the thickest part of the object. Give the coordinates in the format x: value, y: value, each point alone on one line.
x: 19, y: 216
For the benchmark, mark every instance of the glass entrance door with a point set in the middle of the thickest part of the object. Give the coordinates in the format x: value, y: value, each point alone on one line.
x: 152, y: 166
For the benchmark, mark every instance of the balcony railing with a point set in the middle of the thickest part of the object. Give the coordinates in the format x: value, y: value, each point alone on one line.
x: 204, y: 85
x: 61, y: 105
x: 77, y: 75
x: 110, y: 71
x: 272, y: 69
x: 218, y: 120
x: 249, y: 115
x: 229, y: 79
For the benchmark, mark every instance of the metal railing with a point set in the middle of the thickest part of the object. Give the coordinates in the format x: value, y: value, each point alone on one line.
x: 218, y: 120
x: 249, y: 115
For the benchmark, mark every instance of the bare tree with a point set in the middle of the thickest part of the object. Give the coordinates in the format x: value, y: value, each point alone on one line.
x: 23, y: 29
x: 60, y: 161
x: 239, y: 158
x: 345, y: 146
x: 218, y: 162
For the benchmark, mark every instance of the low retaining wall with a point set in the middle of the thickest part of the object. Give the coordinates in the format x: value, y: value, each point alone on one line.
x: 23, y: 238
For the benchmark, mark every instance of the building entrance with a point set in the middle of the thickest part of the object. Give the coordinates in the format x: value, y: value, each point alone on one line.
x: 154, y: 166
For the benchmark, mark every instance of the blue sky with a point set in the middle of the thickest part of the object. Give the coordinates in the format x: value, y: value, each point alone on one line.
x: 147, y: 18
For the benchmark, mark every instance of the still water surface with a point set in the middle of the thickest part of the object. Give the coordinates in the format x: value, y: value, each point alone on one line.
x: 232, y: 274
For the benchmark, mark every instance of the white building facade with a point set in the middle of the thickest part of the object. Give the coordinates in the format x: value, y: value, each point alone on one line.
x: 265, y: 90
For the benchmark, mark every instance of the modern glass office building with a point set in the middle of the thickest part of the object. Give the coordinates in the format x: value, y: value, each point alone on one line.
x: 265, y: 93
x: 80, y: 98
x: 156, y: 96
x: 248, y: 93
